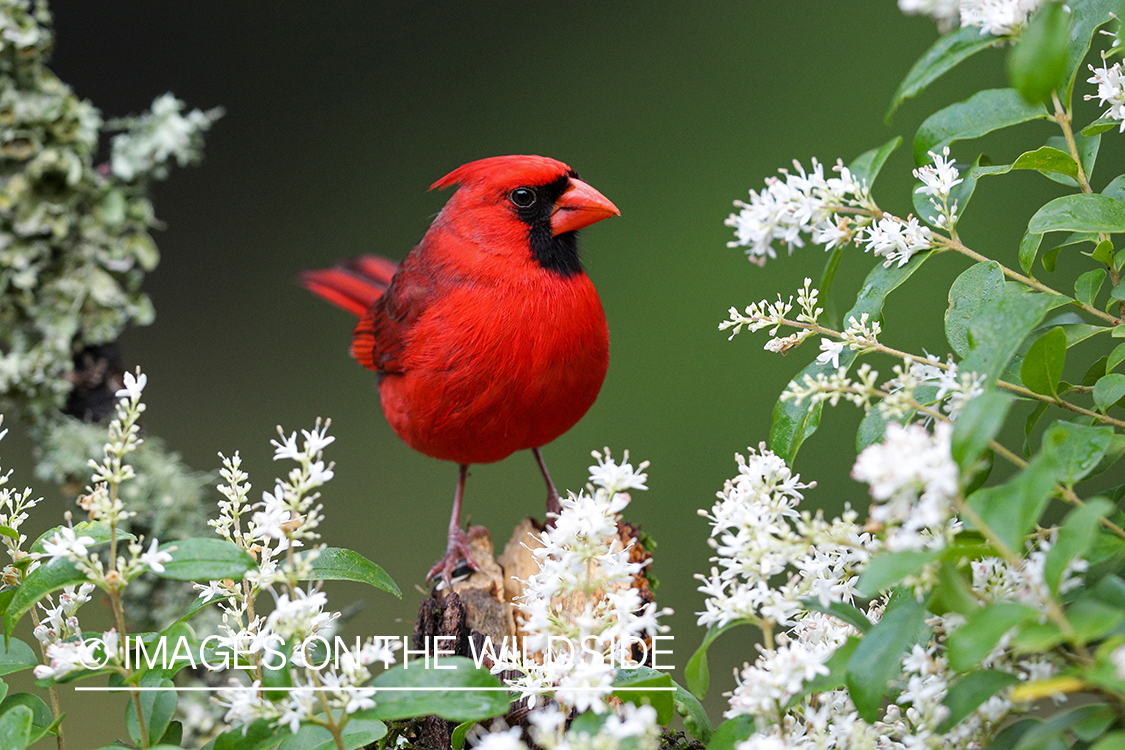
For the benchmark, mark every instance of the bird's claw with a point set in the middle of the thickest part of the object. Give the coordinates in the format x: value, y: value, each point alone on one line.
x: 458, y: 550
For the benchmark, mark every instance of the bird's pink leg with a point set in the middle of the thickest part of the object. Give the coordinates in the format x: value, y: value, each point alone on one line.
x: 458, y: 547
x: 553, y: 506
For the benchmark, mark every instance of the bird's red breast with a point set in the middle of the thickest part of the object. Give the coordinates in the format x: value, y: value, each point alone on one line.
x: 490, y: 337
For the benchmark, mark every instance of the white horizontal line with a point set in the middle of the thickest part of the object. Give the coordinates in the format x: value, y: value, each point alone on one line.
x: 207, y: 689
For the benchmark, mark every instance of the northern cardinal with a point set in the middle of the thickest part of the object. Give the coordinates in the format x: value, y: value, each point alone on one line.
x: 489, y: 338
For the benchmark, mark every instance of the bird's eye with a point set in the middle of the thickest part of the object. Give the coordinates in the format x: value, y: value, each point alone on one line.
x: 522, y: 197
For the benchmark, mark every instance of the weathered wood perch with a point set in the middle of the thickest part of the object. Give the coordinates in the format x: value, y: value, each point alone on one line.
x: 481, y: 606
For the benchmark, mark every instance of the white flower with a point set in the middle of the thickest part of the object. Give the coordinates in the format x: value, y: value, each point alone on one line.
x: 508, y: 739
x: 1111, y: 91
x: 156, y: 558
x: 830, y: 352
x: 798, y: 204
x: 133, y: 386
x: 945, y: 12
x: 998, y: 17
x: 615, y: 477
x: 65, y: 544
x: 939, y: 178
x: 914, y: 481
x: 897, y: 240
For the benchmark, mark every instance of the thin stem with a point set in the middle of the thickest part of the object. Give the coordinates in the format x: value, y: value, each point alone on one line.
x: 1062, y: 117
x: 56, y: 709
x: 953, y: 243
x: 1013, y: 387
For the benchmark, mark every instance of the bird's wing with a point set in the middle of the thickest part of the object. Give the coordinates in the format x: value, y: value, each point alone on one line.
x: 378, y: 338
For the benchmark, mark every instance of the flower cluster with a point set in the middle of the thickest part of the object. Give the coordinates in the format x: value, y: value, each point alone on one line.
x: 914, y: 482
x: 760, y: 537
x: 771, y: 555
x: 104, y: 507
x: 1111, y: 91
x: 14, y: 507
x: 799, y: 204
x: 938, y: 180
x: 584, y: 593
x: 284, y: 520
x: 629, y: 728
x: 996, y: 17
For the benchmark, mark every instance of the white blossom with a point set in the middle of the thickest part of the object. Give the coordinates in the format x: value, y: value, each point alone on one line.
x: 913, y: 481
x: 1111, y: 91
x: 154, y: 558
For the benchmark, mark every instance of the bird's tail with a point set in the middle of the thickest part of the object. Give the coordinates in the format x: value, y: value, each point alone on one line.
x: 354, y: 284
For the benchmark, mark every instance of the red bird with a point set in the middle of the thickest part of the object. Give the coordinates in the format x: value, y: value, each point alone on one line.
x: 489, y: 338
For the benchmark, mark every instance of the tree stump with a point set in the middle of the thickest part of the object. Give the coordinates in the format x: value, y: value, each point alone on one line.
x: 480, y: 606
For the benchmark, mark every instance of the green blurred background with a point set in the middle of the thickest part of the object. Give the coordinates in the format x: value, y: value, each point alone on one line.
x: 340, y: 114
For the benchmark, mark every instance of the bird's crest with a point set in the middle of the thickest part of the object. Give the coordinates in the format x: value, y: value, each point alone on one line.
x: 501, y: 170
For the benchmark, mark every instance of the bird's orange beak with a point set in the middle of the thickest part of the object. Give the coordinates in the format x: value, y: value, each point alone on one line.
x: 580, y: 206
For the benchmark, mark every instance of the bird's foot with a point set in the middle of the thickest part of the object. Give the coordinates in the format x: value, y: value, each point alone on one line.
x: 457, y: 551
x: 554, y: 507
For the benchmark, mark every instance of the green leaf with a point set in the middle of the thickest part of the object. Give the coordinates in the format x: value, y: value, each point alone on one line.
x: 970, y: 643
x: 358, y: 732
x: 732, y: 732
x: 1087, y: 286
x: 158, y: 707
x: 1079, y: 447
x: 867, y: 165
x: 696, y: 673
x: 1103, y: 253
x: 975, y: 286
x: 952, y: 593
x: 876, y: 660
x: 1088, y: 16
x: 886, y: 570
x: 946, y: 53
x: 1079, y: 212
x: 1000, y: 324
x: 695, y: 717
x: 842, y: 611
x: 1075, y: 537
x: 483, y: 698
x: 457, y: 739
x: 831, y: 317
x: 1046, y: 160
x: 793, y: 423
x: 980, y: 420
x: 1050, y: 258
x: 1029, y: 247
x: 99, y: 531
x: 205, y: 559
x: 969, y: 692
x: 256, y: 736
x: 978, y: 115
x: 15, y: 728
x: 1011, y: 509
x: 40, y: 582
x: 16, y: 656
x: 1116, y: 357
x: 1042, y: 367
x: 337, y: 564
x: 1037, y: 62
x: 1093, y: 620
x: 1109, y: 390
x: 647, y: 685
x: 42, y: 720
x: 1100, y: 125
